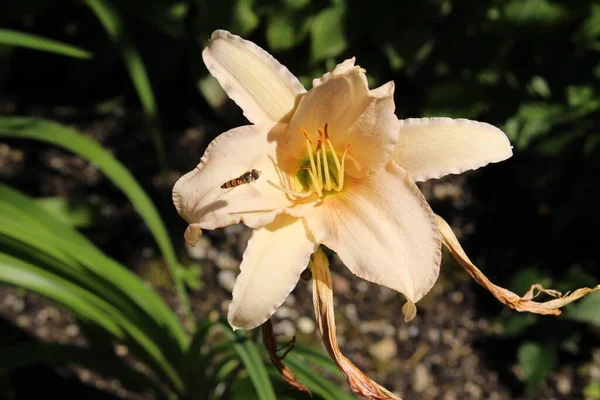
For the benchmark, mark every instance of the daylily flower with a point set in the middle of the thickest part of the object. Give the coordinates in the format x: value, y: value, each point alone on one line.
x: 336, y: 168
x: 332, y: 166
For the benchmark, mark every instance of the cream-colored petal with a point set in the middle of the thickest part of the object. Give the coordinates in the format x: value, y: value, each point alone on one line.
x: 339, y: 69
x: 356, y: 116
x: 433, y: 147
x: 201, y: 201
x: 276, y: 256
x: 383, y: 230
x: 263, y: 88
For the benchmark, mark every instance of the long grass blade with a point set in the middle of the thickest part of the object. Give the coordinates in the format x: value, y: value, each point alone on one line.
x: 11, y: 37
x: 250, y: 356
x: 59, y: 135
x: 25, y: 220
x: 88, y: 307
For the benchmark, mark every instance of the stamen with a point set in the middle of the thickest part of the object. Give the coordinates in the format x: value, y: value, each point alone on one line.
x: 326, y: 166
x: 319, y: 169
x: 341, y: 175
x: 305, y: 134
x: 292, y: 192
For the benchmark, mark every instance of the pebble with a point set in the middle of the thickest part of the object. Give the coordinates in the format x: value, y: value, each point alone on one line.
x: 403, y: 335
x: 227, y: 280
x: 457, y: 297
x: 383, y: 328
x: 290, y: 301
x: 434, y: 335
x: 384, y: 350
x: 362, y: 286
x: 306, y: 325
x: 200, y: 250
x: 16, y: 304
x: 351, y: 313
x: 563, y: 385
x: 24, y: 321
x: 225, y: 305
x: 474, y: 391
x: 413, y: 331
x: 72, y: 330
x: 421, y: 378
x: 286, y: 329
x: 226, y: 262
x: 386, y: 294
x: 121, y: 350
x: 284, y: 312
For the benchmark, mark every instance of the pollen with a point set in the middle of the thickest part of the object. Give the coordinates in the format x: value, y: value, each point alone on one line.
x: 324, y: 168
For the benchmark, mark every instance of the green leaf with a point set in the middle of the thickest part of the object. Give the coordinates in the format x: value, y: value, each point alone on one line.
x: 317, y: 357
x: 521, y: 281
x: 250, y: 356
x: 281, y: 34
x: 21, y: 39
x: 24, y: 220
x: 539, y: 86
x: 539, y: 12
x: 590, y: 28
x: 245, y: 18
x: 537, y: 362
x: 76, y: 213
x: 516, y: 324
x: 117, y: 31
x: 59, y: 135
x: 88, y: 307
x: 315, y: 381
x: 328, y: 38
x: 586, y: 310
x: 592, y: 391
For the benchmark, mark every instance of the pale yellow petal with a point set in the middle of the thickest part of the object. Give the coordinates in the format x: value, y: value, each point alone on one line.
x: 200, y: 199
x: 356, y: 116
x: 276, y: 256
x: 433, y: 147
x: 263, y: 88
x: 383, y: 230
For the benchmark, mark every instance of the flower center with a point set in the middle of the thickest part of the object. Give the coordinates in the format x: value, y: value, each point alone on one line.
x: 323, y: 170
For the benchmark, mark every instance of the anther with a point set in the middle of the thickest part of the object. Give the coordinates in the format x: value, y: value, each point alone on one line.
x: 305, y: 134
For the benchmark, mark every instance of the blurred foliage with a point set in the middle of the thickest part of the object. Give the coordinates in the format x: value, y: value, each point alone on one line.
x: 537, y: 364
x: 531, y: 67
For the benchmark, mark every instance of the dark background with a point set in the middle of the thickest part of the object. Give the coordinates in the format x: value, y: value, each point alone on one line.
x: 530, y: 67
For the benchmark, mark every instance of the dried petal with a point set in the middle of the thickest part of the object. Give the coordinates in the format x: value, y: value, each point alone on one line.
x: 271, y: 346
x: 523, y: 303
x: 360, y: 383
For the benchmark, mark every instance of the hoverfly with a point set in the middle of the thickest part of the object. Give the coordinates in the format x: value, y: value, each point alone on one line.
x: 247, y: 177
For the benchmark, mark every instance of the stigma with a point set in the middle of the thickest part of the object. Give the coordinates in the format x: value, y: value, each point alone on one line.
x: 323, y: 168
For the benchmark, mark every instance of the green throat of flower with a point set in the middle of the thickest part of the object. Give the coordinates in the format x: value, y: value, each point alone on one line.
x: 323, y: 170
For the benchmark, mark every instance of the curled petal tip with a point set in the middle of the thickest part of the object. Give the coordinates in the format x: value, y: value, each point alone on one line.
x: 409, y: 309
x: 192, y: 234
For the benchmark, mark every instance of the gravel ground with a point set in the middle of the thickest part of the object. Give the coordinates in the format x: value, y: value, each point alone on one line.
x: 441, y: 354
